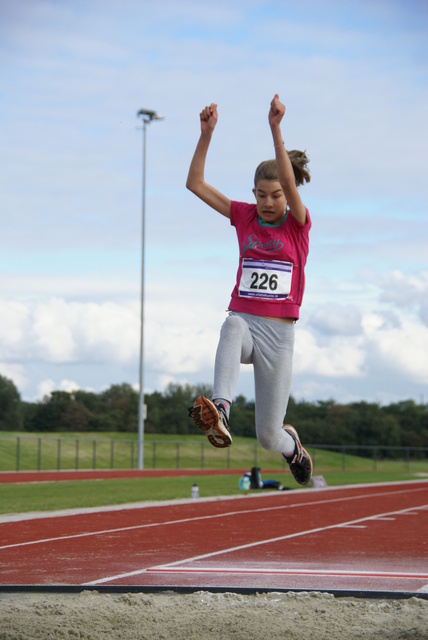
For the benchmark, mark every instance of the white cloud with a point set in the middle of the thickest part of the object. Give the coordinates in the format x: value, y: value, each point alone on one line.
x: 62, y: 331
x: 402, y: 350
x: 52, y: 332
x: 338, y: 357
x: 13, y: 327
x: 70, y: 332
x: 58, y: 331
x: 405, y: 291
x: 14, y: 372
x: 338, y: 320
x: 171, y: 346
x: 46, y: 387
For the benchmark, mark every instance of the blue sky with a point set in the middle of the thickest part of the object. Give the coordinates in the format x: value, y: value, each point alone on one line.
x: 353, y: 76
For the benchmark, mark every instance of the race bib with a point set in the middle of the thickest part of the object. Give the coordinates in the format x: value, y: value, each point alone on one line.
x: 265, y: 279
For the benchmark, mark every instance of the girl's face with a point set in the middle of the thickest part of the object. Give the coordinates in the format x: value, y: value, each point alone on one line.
x: 270, y: 200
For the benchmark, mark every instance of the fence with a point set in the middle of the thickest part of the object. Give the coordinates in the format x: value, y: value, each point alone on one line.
x: 31, y: 453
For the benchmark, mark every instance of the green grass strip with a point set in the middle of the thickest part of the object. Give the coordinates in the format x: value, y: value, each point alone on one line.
x: 47, y: 496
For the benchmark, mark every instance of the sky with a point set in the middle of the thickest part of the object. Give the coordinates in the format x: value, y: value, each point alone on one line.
x: 353, y: 77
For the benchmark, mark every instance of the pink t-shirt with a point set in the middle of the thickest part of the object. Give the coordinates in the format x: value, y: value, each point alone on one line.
x: 270, y: 280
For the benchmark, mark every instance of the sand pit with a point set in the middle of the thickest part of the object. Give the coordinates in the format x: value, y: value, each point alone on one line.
x: 208, y: 616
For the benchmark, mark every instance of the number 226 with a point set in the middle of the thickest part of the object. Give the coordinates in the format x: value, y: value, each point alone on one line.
x: 263, y: 282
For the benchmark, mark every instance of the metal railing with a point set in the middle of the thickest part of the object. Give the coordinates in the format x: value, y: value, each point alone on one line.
x: 42, y: 453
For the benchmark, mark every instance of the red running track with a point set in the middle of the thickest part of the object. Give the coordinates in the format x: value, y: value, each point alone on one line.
x: 108, y: 474
x: 360, y: 538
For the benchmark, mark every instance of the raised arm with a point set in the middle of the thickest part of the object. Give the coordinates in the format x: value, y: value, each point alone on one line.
x: 283, y: 163
x: 196, y: 177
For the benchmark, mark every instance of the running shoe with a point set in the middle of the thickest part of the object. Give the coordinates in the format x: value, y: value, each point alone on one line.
x: 300, y: 462
x: 212, y: 419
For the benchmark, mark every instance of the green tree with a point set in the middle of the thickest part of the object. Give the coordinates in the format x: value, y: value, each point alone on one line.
x: 49, y: 411
x: 10, y: 406
x: 154, y: 412
x: 76, y: 417
x: 402, y: 424
x: 121, y: 404
x: 413, y: 422
x: 169, y: 412
x: 91, y: 400
x: 174, y: 415
x: 242, y: 417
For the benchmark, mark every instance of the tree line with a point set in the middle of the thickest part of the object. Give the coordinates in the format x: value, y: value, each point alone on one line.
x: 401, y: 424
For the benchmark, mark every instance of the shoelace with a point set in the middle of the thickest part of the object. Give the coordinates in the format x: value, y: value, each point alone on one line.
x: 222, y: 412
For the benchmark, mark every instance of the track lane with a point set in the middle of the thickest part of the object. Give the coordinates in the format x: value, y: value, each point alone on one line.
x: 73, y: 550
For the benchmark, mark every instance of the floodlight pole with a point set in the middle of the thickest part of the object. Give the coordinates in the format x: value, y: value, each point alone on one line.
x: 147, y: 116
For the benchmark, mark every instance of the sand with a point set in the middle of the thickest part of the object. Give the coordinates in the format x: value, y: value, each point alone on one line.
x: 209, y: 616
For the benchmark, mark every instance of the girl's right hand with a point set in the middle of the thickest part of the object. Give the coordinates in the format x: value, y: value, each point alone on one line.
x: 209, y: 117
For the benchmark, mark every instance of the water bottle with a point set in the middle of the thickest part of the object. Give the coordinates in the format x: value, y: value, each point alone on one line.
x: 244, y: 482
x: 195, y: 491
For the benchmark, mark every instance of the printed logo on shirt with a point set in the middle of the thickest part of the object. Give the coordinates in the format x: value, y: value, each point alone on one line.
x: 272, y: 246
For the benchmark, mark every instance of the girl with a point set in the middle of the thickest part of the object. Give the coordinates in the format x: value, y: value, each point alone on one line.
x: 273, y: 247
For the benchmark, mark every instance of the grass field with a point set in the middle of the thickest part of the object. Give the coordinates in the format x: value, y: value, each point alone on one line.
x: 25, y: 497
x: 167, y: 452
x: 72, y: 451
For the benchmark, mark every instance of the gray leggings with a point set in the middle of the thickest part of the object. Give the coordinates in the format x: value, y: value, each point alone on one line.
x: 268, y: 346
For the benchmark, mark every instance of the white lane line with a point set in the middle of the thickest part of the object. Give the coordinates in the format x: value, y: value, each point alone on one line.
x: 100, y: 532
x: 249, y: 545
x: 239, y: 571
x: 297, y: 572
x: 122, y: 576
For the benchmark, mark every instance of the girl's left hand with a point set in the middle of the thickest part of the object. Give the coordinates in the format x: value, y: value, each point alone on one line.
x: 277, y: 110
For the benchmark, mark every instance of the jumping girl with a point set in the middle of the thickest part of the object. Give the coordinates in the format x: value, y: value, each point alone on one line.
x: 273, y: 237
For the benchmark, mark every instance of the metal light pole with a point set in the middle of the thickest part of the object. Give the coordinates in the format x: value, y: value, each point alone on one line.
x: 147, y: 116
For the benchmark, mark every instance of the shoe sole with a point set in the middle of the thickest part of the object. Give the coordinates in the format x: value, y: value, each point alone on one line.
x: 205, y: 416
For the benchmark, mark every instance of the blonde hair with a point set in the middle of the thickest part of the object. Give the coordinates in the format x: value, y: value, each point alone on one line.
x: 267, y: 170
